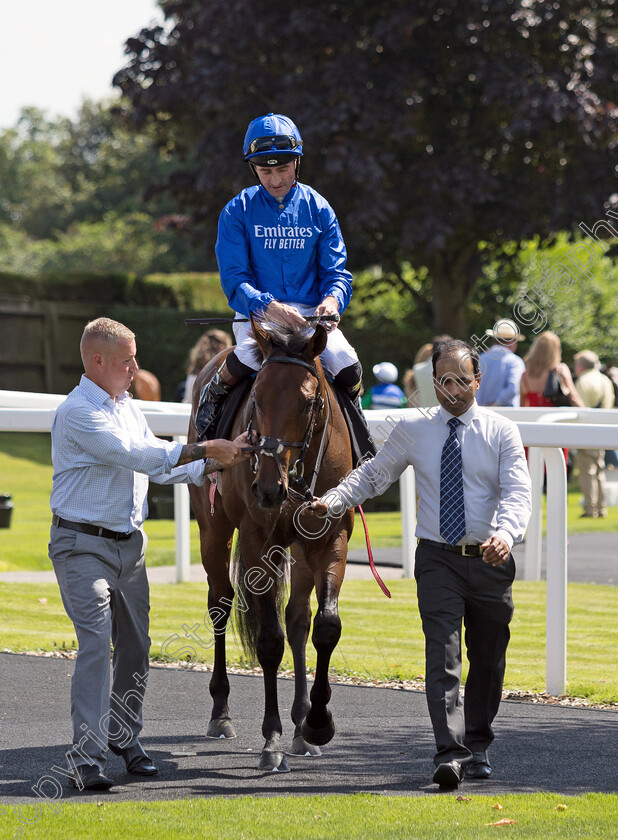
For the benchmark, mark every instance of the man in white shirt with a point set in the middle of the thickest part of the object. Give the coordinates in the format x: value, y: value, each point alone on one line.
x: 474, y: 487
x: 103, y: 455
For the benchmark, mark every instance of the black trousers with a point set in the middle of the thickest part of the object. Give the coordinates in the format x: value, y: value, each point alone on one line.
x: 451, y: 589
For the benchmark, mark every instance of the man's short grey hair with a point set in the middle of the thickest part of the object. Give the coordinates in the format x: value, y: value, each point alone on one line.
x: 107, y: 330
x: 587, y: 359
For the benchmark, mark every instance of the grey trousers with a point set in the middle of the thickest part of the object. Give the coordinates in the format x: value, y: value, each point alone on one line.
x: 104, y: 589
x: 452, y: 588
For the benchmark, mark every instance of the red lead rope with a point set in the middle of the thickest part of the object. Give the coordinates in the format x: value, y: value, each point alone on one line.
x: 381, y: 583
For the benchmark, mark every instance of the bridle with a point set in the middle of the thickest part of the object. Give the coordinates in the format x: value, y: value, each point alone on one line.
x: 272, y: 447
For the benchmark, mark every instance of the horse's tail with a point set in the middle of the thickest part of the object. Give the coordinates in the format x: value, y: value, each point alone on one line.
x: 245, y: 621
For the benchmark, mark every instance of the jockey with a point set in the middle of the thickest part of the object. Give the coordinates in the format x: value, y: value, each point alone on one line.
x: 281, y: 258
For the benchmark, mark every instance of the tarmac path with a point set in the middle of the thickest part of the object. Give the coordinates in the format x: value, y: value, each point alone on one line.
x: 383, y: 742
x: 592, y: 558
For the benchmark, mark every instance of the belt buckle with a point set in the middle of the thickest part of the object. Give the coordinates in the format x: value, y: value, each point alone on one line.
x: 472, y: 553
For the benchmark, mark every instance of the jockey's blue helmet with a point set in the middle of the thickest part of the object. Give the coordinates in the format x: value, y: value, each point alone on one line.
x: 272, y: 140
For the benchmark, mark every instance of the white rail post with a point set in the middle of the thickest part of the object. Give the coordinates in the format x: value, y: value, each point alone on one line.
x: 534, y: 534
x: 407, y: 489
x: 182, y: 527
x: 556, y: 651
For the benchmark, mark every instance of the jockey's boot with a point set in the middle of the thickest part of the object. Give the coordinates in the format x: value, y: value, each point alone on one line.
x: 211, y: 397
x: 350, y: 380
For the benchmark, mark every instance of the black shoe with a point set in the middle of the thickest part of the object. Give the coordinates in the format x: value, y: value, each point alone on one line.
x: 211, y: 398
x: 136, y: 760
x: 478, y: 767
x: 448, y: 775
x: 89, y: 778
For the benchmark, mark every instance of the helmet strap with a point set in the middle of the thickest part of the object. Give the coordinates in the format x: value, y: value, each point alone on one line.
x: 254, y: 172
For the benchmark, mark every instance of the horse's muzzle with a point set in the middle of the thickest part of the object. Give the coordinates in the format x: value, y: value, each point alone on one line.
x: 269, y: 496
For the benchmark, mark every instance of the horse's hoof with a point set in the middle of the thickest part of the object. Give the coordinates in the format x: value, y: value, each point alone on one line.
x: 301, y: 747
x: 319, y: 736
x: 274, y: 761
x: 221, y: 728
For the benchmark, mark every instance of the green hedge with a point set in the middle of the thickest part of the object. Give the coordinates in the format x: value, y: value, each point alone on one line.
x: 90, y: 288
x: 194, y: 291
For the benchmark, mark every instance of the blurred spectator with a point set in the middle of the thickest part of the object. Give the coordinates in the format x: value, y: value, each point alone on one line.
x: 544, y: 364
x: 211, y: 343
x: 544, y: 361
x: 612, y: 374
x: 424, y: 394
x: 501, y: 367
x: 386, y: 394
x: 145, y: 386
x: 611, y: 371
x: 408, y: 382
x: 596, y: 391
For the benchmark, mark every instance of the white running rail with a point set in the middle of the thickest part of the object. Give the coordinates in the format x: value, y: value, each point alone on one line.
x: 546, y: 433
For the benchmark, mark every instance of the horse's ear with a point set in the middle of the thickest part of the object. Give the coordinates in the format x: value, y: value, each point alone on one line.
x: 317, y: 343
x: 261, y: 336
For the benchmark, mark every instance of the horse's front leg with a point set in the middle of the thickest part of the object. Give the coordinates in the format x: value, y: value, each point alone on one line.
x: 269, y: 648
x: 298, y: 621
x: 219, y: 607
x: 318, y: 726
x: 216, y: 532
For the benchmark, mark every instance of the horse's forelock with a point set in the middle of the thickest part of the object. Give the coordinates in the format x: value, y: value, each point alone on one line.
x: 293, y: 342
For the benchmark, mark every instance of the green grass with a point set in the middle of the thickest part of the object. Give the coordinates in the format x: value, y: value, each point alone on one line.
x: 547, y: 816
x: 26, y: 473
x: 381, y: 639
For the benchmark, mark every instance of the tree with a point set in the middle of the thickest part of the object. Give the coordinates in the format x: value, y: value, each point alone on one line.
x: 431, y: 126
x: 34, y: 196
x: 59, y: 178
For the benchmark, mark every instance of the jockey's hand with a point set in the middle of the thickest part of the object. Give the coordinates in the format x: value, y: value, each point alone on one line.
x: 330, y: 307
x: 228, y: 452
x: 284, y: 315
x: 495, y: 551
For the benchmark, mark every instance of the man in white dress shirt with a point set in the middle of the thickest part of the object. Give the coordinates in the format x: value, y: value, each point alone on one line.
x: 463, y: 566
x: 103, y: 455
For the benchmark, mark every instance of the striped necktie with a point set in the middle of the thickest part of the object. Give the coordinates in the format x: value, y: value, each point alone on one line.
x: 452, y: 512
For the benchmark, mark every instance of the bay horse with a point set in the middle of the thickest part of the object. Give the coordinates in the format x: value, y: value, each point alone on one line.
x: 300, y: 436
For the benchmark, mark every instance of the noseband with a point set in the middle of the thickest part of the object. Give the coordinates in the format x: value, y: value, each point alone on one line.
x: 272, y: 447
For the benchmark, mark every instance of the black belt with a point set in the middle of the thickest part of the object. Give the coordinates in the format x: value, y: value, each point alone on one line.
x: 93, y: 530
x: 468, y: 550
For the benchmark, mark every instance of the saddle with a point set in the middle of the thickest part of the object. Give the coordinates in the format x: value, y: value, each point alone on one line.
x: 221, y: 425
